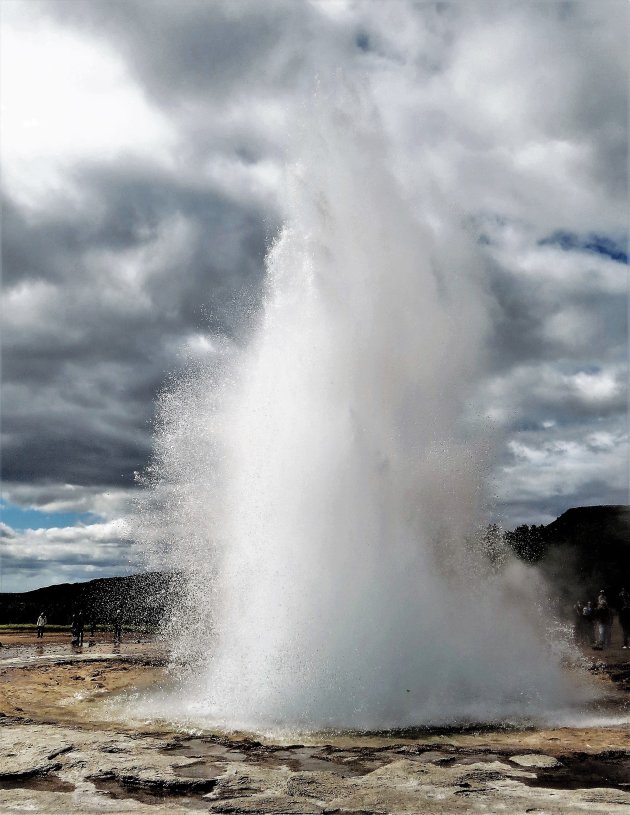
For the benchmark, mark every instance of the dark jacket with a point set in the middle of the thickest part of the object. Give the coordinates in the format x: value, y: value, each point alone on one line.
x: 603, y: 614
x: 624, y: 618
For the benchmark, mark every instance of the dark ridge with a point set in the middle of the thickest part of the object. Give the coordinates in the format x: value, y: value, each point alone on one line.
x: 585, y: 550
x: 141, y: 599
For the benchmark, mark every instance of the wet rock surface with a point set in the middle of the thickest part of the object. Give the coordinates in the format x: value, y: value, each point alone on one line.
x: 95, y: 771
x: 60, y: 754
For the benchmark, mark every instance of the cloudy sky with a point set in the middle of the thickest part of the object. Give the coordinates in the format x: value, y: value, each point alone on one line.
x: 143, y: 152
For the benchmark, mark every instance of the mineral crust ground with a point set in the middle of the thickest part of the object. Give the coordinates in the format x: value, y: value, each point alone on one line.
x: 62, y: 750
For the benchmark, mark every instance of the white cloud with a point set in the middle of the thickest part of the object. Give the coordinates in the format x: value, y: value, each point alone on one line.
x: 66, y: 98
x: 543, y: 476
x: 109, y: 503
x: 597, y: 387
x: 507, y: 113
x: 564, y: 464
x: 39, y: 557
x: 571, y: 328
x: 544, y: 393
x: 569, y: 271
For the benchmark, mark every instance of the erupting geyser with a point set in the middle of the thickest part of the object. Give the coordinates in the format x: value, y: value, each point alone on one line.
x: 317, y: 487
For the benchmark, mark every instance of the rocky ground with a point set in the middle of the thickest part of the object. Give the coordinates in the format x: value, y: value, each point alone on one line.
x: 63, y: 749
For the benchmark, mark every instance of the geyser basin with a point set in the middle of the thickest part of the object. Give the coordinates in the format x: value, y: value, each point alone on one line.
x: 317, y: 488
x: 599, y: 705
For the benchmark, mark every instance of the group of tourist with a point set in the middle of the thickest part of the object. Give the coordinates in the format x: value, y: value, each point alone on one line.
x: 77, y: 627
x: 594, y: 621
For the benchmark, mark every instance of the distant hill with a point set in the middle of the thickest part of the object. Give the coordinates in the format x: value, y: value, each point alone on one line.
x: 142, y: 598
x: 583, y: 551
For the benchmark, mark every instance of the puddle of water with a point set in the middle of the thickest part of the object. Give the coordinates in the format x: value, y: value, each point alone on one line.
x: 120, y: 790
x: 577, y: 771
x: 583, y: 771
x: 214, y: 757
x: 41, y: 783
x: 204, y: 748
x: 305, y: 759
x: 201, y: 769
x: 484, y: 758
x: 25, y: 654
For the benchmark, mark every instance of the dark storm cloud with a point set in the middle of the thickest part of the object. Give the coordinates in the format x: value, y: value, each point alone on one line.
x: 83, y: 359
x: 221, y: 51
x: 224, y: 250
x: 130, y: 205
x: 74, y: 446
x: 521, y: 331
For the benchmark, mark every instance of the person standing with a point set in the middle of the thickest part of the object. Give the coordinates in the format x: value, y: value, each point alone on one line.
x: 41, y: 623
x: 603, y: 618
x: 583, y: 624
x: 624, y: 619
x: 79, y: 628
x: 588, y: 613
x: 117, y: 626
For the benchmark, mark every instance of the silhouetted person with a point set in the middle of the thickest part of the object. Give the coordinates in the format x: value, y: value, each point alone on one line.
x: 624, y: 619
x: 603, y: 619
x: 92, y: 627
x: 624, y: 598
x: 583, y: 623
x: 577, y: 618
x: 588, y: 613
x: 118, y: 626
x: 80, y: 625
x: 41, y: 622
x: 77, y: 628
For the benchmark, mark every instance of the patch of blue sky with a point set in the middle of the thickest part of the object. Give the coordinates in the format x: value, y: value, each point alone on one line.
x: 20, y: 518
x: 598, y: 244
